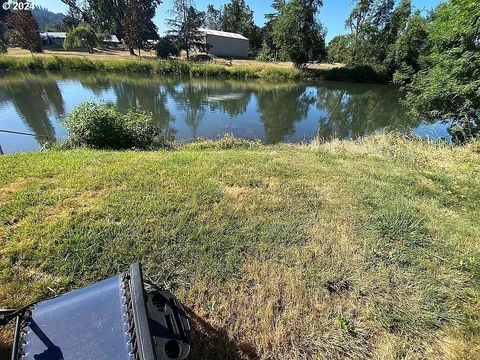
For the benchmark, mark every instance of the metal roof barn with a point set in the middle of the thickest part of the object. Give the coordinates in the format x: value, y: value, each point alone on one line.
x: 226, y: 44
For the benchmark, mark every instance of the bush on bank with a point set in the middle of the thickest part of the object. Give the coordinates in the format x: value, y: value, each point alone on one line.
x: 101, y: 126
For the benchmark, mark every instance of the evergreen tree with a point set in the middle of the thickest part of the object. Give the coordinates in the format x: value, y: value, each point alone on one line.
x: 269, y: 48
x: 213, y: 18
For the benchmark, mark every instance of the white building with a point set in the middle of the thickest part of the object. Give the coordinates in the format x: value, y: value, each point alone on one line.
x: 225, y: 44
x: 56, y: 39
x: 53, y: 38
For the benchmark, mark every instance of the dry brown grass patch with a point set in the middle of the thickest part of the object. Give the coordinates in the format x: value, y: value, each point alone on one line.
x: 69, y: 207
x: 15, y: 186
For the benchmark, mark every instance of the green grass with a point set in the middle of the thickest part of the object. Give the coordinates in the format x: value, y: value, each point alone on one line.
x: 179, y: 67
x: 359, y: 249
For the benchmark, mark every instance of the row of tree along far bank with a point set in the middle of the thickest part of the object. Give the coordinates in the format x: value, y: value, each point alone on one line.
x: 132, y: 22
x: 435, y: 55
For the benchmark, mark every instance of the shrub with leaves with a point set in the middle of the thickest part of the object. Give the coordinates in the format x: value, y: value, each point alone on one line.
x: 166, y: 48
x: 81, y: 35
x: 101, y: 126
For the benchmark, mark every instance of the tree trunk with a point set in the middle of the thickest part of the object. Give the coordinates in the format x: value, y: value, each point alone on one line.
x: 131, y: 50
x: 139, y: 53
x: 188, y: 53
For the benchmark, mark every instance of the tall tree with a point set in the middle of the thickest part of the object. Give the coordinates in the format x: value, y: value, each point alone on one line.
x: 356, y: 22
x: 25, y: 32
x: 213, y: 18
x: 109, y: 15
x: 135, y: 24
x: 404, y: 57
x: 237, y: 17
x: 185, y: 26
x: 269, y: 47
x: 298, y: 33
x: 375, y: 26
x: 339, y: 49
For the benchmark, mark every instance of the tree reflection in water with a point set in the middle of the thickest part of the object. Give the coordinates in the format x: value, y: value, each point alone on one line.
x: 354, y: 110
x: 35, y: 99
x: 271, y: 111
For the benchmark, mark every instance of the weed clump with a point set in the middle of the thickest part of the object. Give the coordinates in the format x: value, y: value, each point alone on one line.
x: 228, y: 141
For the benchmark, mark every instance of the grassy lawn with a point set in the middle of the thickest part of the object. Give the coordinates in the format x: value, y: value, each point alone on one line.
x: 109, y: 54
x: 98, y: 54
x: 366, y: 249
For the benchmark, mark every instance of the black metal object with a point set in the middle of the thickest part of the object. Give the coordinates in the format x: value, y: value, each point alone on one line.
x: 114, y: 319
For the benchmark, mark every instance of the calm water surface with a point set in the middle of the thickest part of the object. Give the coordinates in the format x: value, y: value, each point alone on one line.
x: 205, y: 108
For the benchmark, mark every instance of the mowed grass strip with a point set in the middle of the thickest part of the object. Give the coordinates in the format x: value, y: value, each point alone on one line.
x: 351, y: 249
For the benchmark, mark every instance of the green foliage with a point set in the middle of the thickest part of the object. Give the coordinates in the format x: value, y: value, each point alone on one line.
x: 166, y: 48
x: 342, y: 323
x: 101, y: 126
x: 358, y: 74
x: 81, y: 35
x: 297, y: 33
x: 265, y: 54
x: 227, y: 142
x: 340, y: 49
x: 213, y: 18
x: 375, y: 28
x: 179, y: 67
x: 448, y: 87
x: 109, y: 16
x: 237, y: 17
x: 208, y: 70
x: 404, y: 55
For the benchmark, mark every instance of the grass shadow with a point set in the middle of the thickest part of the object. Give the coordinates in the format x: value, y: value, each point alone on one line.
x: 210, y: 343
x: 5, y: 351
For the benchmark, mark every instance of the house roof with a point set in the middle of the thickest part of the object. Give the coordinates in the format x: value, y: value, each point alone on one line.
x: 112, y: 39
x: 54, y: 35
x: 222, y: 34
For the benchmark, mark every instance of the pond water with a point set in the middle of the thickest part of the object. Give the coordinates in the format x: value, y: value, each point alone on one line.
x: 206, y: 108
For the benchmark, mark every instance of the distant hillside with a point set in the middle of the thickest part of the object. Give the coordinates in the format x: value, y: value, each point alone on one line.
x: 46, y: 19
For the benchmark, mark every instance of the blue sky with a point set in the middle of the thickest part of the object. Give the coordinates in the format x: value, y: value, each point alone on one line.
x: 332, y: 15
